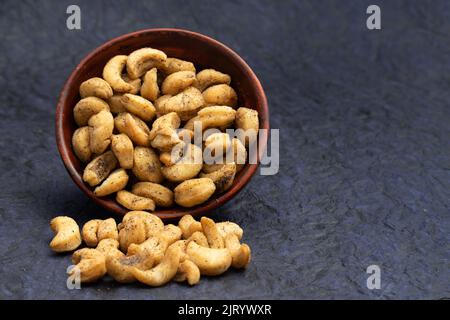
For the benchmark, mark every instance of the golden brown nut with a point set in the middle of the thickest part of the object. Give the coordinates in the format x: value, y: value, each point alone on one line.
x: 81, y: 145
x: 215, y: 240
x: 134, y: 202
x: 172, y: 65
x: 150, y: 88
x: 133, y: 231
x: 86, y: 108
x: 112, y: 73
x: 187, y: 167
x: 194, y: 192
x: 101, y: 126
x: 134, y: 128
x: 186, y: 104
x: 96, y: 87
x: 115, y: 104
x: 199, y: 237
x: 116, y: 181
x: 98, y: 169
x: 147, y: 166
x: 89, y: 264
x: 210, y: 261
x: 97, y: 230
x: 109, y: 246
x: 237, y: 154
x: 123, y: 149
x: 142, y: 60
x: 162, y: 196
x: 177, y: 82
x: 222, y: 178
x: 217, y: 145
x: 139, y: 106
x: 210, y: 77
x: 220, y: 95
x: 247, y: 120
x: 188, y: 271
x: 240, y: 253
x: 213, y: 117
x: 189, y: 226
x: 67, y: 234
x: 119, y: 266
x: 228, y: 227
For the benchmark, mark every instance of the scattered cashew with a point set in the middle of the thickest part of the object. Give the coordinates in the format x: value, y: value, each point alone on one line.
x: 189, y: 226
x: 67, y: 234
x: 97, y: 230
x: 212, y: 233
x: 96, y: 87
x: 188, y: 271
x: 90, y: 263
x: 210, y: 261
x: 240, y: 253
x: 198, y: 237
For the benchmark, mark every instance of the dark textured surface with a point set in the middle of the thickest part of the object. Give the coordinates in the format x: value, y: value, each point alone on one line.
x: 365, y: 148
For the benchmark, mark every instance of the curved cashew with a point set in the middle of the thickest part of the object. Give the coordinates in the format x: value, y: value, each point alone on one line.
x: 134, y: 202
x: 240, y: 253
x: 139, y: 106
x: 172, y: 65
x: 227, y: 227
x: 81, y: 144
x: 67, y: 234
x: 187, y: 167
x: 212, y: 117
x: 86, y: 108
x: 136, y: 129
x: 101, y: 126
x: 177, y: 82
x: 212, y: 233
x: 209, y: 77
x: 119, y: 266
x: 115, y: 104
x: 123, y: 149
x: 97, y: 230
x: 189, y: 225
x: 216, y: 146
x: 222, y: 178
x: 186, y: 103
x: 142, y: 60
x: 98, y: 169
x: 164, y: 271
x: 112, y: 73
x: 198, y: 237
x: 116, y: 181
x: 210, y: 261
x: 147, y: 166
x: 247, y: 120
x: 90, y: 263
x: 188, y: 271
x: 194, y: 192
x: 161, y: 195
x: 220, y: 95
x: 153, y: 224
x: 96, y: 87
x: 138, y: 226
x: 109, y: 247
x: 150, y: 88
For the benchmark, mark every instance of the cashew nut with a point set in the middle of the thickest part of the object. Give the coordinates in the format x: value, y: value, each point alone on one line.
x: 142, y: 60
x: 109, y: 247
x: 99, y: 168
x: 115, y: 104
x: 194, y: 192
x: 134, y: 202
x: 161, y: 195
x: 222, y: 178
x: 67, y: 234
x: 187, y: 167
x: 177, y: 82
x: 189, y: 226
x: 122, y: 147
x: 210, y: 261
x: 86, y: 108
x: 198, y: 237
x: 101, y: 126
x: 213, y: 117
x: 97, y: 230
x: 227, y: 227
x: 220, y: 95
x: 217, y: 145
x: 90, y: 263
x: 186, y: 103
x: 136, y: 129
x: 188, y: 271
x: 210, y: 77
x: 112, y: 73
x: 172, y: 65
x: 247, y: 120
x: 116, y: 181
x: 139, y: 106
x: 96, y: 87
x: 212, y: 233
x: 240, y: 253
x: 81, y: 145
x: 147, y: 166
x: 150, y: 88
x: 137, y: 226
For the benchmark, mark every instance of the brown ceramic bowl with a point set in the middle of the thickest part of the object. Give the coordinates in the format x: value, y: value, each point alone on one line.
x: 204, y: 52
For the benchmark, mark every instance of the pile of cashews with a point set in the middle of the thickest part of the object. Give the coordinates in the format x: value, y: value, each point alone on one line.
x: 136, y: 127
x: 141, y: 248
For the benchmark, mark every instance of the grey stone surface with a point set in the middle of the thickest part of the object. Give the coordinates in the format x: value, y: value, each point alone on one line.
x: 365, y: 148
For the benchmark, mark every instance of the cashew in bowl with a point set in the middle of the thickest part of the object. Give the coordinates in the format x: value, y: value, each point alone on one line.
x: 101, y: 126
x: 220, y: 95
x: 150, y: 88
x: 116, y: 181
x: 115, y: 104
x: 136, y: 129
x: 67, y: 234
x: 139, y: 106
x: 147, y: 166
x: 122, y: 147
x: 142, y: 60
x: 177, y: 82
x: 222, y: 178
x: 213, y: 117
x: 186, y: 103
x: 86, y: 108
x: 247, y: 120
x: 187, y: 167
x: 96, y: 87
x: 98, y: 169
x: 161, y: 195
x: 97, y: 230
x: 194, y: 192
x: 210, y: 77
x: 172, y: 65
x: 81, y: 145
x: 112, y: 73
x: 134, y: 202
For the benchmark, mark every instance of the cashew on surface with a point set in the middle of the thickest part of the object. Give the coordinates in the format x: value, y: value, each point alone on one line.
x: 67, y: 234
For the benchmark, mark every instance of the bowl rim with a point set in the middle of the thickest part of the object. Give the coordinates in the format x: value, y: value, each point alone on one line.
x: 250, y: 169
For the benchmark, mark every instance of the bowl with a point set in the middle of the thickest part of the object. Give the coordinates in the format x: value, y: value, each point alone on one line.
x: 204, y: 52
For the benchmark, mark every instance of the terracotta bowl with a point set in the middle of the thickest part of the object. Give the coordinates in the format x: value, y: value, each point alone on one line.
x: 204, y: 52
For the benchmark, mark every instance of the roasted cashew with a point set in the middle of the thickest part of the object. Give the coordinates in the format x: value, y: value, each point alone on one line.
x: 139, y: 106
x: 96, y: 87
x: 247, y: 120
x: 98, y: 169
x: 147, y: 166
x: 86, y: 108
x: 210, y: 261
x: 187, y: 167
x: 212, y: 233
x: 90, y: 263
x: 81, y: 145
x: 142, y: 60
x: 188, y: 271
x: 115, y: 104
x: 198, y: 237
x: 172, y: 65
x: 189, y: 226
x: 240, y: 253
x: 161, y: 195
x: 212, y: 117
x: 101, y: 126
x: 220, y: 95
x: 186, y: 103
x: 112, y: 73
x: 137, y: 226
x: 194, y: 192
x: 134, y: 202
x: 136, y: 129
x: 122, y: 147
x: 109, y: 247
x: 216, y: 146
x: 222, y: 178
x: 237, y: 154
x: 116, y: 181
x: 210, y: 77
x: 97, y: 230
x: 119, y: 266
x: 67, y: 234
x: 177, y: 82
x: 225, y: 228
x: 150, y: 88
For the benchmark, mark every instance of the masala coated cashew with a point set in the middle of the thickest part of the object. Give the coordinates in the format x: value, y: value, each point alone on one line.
x: 67, y: 234
x: 112, y: 73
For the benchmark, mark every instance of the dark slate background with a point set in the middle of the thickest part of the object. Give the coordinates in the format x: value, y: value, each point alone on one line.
x: 365, y: 150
